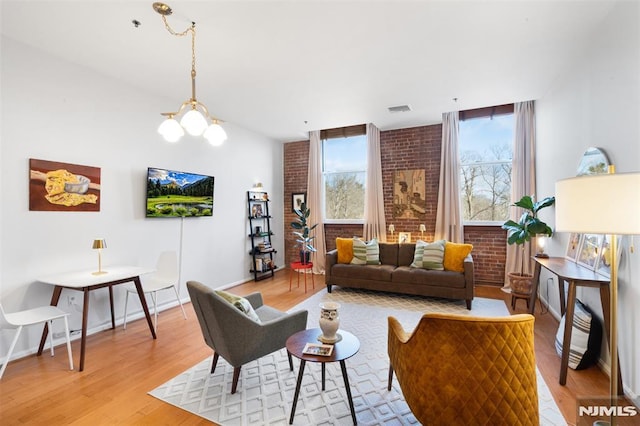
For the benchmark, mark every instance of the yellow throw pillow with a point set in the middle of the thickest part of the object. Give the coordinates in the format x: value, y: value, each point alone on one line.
x: 454, y: 255
x: 345, y: 249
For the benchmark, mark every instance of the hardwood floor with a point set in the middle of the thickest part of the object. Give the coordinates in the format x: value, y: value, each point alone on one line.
x: 123, y: 365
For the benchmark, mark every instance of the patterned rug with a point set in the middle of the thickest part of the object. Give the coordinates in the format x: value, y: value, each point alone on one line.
x: 266, y: 386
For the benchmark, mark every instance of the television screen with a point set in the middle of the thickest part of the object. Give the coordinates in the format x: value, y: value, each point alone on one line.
x: 178, y: 194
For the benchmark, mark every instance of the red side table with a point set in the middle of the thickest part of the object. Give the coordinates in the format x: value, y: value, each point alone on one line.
x: 299, y: 266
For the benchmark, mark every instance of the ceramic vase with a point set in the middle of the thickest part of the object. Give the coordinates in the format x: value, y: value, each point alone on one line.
x: 329, y: 321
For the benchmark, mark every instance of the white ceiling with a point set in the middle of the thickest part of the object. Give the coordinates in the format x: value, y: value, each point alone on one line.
x: 282, y: 68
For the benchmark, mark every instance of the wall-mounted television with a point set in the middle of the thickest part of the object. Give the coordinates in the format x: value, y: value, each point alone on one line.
x: 178, y: 194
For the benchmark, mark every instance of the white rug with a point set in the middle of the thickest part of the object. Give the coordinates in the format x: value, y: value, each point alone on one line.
x: 266, y: 386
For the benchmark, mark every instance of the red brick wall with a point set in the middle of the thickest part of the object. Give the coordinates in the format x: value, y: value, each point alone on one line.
x: 402, y: 149
x: 489, y: 253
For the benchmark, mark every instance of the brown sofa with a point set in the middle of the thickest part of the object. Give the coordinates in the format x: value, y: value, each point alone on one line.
x: 395, y: 275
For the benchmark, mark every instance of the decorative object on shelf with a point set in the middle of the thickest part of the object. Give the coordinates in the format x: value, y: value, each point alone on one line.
x: 404, y: 237
x: 521, y: 232
x: 573, y: 246
x: 297, y: 200
x: 99, y: 244
x: 329, y: 322
x: 256, y: 210
x: 303, y: 234
x: 618, y: 213
x: 422, y: 229
x: 196, y: 120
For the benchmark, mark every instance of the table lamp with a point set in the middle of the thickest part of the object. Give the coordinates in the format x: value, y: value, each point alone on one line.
x: 422, y: 229
x: 602, y: 204
x: 99, y: 244
x: 392, y: 229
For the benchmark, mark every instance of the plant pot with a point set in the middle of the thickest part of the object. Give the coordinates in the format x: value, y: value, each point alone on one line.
x: 520, y: 284
x: 305, y: 257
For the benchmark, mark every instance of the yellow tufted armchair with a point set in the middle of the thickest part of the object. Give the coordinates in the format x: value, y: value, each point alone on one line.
x: 463, y: 370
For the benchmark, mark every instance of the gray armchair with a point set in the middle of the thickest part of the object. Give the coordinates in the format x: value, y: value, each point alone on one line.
x: 236, y: 337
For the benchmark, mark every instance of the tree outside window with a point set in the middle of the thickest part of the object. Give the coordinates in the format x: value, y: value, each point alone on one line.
x: 486, y: 154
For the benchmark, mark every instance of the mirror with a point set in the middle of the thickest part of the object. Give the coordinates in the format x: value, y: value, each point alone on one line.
x: 594, y: 162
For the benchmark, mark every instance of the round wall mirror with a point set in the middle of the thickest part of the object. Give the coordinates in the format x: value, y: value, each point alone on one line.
x: 594, y: 162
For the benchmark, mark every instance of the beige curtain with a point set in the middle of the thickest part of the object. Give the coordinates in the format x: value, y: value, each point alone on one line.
x: 374, y: 220
x: 448, y: 217
x: 523, y: 181
x: 314, y: 200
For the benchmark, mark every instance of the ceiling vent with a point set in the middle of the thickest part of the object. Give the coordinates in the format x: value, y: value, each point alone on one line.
x: 399, y: 108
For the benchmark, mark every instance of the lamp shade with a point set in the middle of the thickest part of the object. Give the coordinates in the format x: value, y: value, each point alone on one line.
x: 215, y: 134
x: 99, y: 243
x: 599, y: 204
x: 171, y: 130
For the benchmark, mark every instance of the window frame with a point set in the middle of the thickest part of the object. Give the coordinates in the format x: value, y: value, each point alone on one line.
x: 486, y: 112
x: 336, y: 133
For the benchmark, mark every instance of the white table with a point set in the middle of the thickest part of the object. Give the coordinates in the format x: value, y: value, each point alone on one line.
x: 85, y: 281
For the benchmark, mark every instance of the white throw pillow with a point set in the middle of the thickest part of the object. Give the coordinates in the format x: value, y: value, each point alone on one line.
x: 365, y: 252
x: 429, y: 255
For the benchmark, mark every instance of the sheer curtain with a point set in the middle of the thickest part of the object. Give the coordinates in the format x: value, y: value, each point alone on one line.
x: 523, y: 180
x: 448, y: 218
x: 374, y: 221
x: 314, y: 199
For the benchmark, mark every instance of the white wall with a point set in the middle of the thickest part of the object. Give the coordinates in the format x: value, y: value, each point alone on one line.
x: 598, y: 105
x: 55, y: 110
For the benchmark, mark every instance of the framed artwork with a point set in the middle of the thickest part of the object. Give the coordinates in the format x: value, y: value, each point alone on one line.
x: 589, y: 250
x: 56, y: 186
x: 409, y: 194
x: 256, y: 210
x: 573, y: 246
x: 297, y: 200
x: 404, y: 237
x: 603, y: 266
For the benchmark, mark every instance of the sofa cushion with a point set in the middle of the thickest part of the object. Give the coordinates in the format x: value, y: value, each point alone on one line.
x: 429, y: 255
x: 363, y: 272
x: 345, y: 249
x: 405, y: 253
x: 454, y: 255
x: 426, y: 277
x: 239, y: 303
x: 365, y: 252
x: 389, y: 253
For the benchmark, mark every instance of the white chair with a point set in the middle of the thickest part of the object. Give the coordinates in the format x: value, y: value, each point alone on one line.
x: 43, y: 314
x: 164, y: 278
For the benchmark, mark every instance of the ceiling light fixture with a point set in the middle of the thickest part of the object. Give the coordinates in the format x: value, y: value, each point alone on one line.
x: 196, y: 121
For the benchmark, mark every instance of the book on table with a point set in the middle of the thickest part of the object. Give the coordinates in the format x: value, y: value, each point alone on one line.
x: 317, y: 349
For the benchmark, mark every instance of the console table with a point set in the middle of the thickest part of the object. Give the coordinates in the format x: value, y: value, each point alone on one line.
x: 575, y: 276
x: 85, y: 281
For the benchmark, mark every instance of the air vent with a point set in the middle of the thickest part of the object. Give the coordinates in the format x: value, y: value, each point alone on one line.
x: 399, y: 108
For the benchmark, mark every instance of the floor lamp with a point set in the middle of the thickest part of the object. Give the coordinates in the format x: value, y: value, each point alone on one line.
x: 602, y: 204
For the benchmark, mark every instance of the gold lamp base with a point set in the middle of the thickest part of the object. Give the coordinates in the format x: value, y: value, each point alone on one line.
x: 99, y: 273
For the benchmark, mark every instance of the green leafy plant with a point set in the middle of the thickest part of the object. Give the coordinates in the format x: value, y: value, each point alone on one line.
x: 529, y: 225
x: 304, y: 239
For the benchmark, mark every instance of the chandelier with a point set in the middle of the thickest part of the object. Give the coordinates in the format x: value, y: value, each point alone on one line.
x: 196, y: 120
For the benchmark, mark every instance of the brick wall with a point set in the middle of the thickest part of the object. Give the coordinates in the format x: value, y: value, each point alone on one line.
x: 402, y: 149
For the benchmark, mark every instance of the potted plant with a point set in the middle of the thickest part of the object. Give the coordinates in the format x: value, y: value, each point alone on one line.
x: 520, y: 232
x: 304, y: 239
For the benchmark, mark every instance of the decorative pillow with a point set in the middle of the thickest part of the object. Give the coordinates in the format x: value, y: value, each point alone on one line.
x: 454, y: 255
x: 242, y: 304
x: 365, y: 252
x: 345, y: 249
x: 586, y: 338
x: 429, y: 255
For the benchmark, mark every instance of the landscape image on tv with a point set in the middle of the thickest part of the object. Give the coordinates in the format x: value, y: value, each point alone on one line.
x: 178, y: 194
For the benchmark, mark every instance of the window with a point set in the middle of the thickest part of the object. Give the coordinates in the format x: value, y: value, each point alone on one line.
x: 485, y: 144
x: 344, y: 171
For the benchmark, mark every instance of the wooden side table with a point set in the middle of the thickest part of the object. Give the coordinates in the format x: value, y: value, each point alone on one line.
x: 575, y: 276
x: 343, y: 349
x: 299, y: 266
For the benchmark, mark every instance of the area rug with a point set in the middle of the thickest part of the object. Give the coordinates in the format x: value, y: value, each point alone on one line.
x: 266, y: 386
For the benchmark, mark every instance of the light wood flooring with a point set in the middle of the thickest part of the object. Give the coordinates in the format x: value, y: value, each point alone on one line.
x: 123, y: 365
